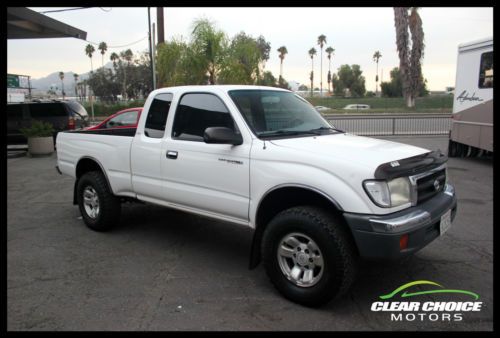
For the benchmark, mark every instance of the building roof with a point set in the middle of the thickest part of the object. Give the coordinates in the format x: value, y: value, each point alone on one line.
x: 23, y: 23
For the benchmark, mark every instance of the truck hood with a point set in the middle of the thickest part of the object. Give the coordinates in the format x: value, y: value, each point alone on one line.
x: 367, y: 151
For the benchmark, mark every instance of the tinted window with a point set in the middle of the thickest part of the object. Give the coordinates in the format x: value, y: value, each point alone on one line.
x: 40, y: 110
x: 157, y: 116
x: 77, y: 108
x: 197, y: 112
x: 124, y: 119
x: 486, y: 70
x: 14, y: 112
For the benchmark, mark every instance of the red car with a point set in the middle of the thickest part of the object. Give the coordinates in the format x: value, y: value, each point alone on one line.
x: 126, y: 118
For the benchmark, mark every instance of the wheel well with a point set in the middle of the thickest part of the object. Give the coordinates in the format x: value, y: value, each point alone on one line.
x: 84, y: 166
x: 285, y: 198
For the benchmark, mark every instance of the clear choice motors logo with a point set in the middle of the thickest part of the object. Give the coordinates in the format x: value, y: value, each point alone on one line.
x: 429, y: 310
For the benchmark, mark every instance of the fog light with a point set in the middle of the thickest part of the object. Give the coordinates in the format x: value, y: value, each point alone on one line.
x: 403, y: 242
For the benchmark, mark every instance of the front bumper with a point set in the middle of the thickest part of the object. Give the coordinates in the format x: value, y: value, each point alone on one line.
x: 378, y: 237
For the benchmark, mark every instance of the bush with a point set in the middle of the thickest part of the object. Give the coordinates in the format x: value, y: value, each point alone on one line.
x: 38, y: 129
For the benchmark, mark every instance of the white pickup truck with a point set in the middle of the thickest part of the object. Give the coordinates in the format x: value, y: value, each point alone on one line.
x: 317, y: 197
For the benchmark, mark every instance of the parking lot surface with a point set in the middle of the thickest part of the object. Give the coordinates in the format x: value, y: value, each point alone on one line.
x: 161, y: 269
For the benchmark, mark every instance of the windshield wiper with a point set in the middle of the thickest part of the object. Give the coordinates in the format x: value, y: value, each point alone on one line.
x: 328, y: 128
x: 282, y: 132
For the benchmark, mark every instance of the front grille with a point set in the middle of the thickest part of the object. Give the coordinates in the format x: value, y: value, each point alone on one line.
x: 425, y: 185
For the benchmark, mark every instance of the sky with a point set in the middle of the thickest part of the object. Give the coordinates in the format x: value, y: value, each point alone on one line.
x: 354, y: 33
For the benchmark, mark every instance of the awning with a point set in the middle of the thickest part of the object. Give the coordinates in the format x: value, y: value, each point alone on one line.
x: 23, y: 23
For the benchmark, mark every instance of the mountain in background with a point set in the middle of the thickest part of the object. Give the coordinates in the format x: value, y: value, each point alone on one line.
x: 42, y: 85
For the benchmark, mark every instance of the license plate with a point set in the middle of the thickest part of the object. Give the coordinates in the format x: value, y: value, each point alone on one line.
x: 445, y: 223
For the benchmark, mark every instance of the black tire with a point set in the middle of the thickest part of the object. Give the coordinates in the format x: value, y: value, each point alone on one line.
x: 337, y: 248
x: 452, y: 149
x: 109, y: 205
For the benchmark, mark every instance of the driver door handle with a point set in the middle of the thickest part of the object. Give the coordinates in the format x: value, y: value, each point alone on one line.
x: 171, y: 154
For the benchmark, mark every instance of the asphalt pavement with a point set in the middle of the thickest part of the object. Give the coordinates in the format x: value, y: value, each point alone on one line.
x: 162, y: 269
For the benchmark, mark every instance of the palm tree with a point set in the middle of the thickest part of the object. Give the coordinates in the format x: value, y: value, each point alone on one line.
x: 330, y: 51
x: 89, y: 50
x: 283, y: 51
x: 103, y: 47
x: 114, y: 57
x: 409, y: 61
x: 321, y: 43
x: 210, y: 44
x: 127, y: 56
x: 376, y: 57
x: 312, y: 52
x: 76, y: 87
x: 61, y: 76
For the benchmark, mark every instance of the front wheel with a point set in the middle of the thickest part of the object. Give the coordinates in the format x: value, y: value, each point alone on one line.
x: 100, y: 209
x: 309, y: 256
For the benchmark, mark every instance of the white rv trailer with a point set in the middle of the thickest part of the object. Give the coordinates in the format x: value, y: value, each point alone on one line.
x: 472, y: 127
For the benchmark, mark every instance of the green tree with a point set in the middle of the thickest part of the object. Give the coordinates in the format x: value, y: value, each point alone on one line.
x: 321, y: 43
x: 210, y: 44
x: 267, y: 79
x: 410, y: 55
x: 114, y: 58
x: 264, y: 48
x: 282, y: 52
x: 349, y: 79
x: 103, y: 84
x: 127, y: 56
x: 376, y: 58
x: 394, y: 88
x: 241, y: 62
x: 103, y: 47
x: 330, y: 52
x: 312, y: 53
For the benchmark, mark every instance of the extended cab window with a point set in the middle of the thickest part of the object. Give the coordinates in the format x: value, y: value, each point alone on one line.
x: 157, y: 116
x: 486, y: 70
x: 197, y: 112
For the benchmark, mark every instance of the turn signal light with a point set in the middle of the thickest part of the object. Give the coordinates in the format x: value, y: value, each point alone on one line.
x: 403, y: 242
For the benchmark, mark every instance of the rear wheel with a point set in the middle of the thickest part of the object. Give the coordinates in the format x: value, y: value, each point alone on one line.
x: 100, y: 209
x: 308, y: 255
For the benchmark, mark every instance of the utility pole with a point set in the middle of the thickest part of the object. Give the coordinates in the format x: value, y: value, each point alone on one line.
x: 153, y: 59
x: 161, y: 27
x: 150, y: 49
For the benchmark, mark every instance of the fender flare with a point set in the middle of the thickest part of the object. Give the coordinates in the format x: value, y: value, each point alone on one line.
x: 259, y: 229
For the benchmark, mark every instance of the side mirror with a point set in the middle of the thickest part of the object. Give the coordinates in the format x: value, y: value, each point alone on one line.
x: 222, y: 135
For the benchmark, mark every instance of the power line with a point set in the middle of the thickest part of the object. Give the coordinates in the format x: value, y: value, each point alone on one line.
x: 64, y: 10
x: 129, y: 44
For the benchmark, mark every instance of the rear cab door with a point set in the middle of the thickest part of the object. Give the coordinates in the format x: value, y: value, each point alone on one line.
x: 146, y: 151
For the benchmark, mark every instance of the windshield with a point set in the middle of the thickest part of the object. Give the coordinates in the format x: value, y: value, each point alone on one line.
x: 278, y: 113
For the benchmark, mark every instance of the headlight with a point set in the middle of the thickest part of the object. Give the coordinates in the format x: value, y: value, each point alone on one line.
x: 391, y: 193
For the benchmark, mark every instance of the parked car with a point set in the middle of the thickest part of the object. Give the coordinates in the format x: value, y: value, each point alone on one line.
x: 322, y: 108
x: 126, y: 118
x: 317, y: 198
x: 357, y: 106
x: 63, y: 115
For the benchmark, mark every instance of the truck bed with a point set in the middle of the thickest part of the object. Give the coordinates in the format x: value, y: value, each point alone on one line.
x: 110, y: 148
